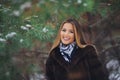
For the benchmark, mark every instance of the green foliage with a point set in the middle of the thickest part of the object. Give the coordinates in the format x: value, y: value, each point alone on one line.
x: 44, y: 33
x: 60, y: 9
x: 10, y: 36
x: 17, y: 33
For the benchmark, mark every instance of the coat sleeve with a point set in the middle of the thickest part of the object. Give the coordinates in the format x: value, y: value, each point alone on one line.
x: 49, y: 69
x: 96, y: 69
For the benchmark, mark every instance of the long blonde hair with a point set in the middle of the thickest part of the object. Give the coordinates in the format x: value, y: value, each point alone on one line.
x: 80, y: 41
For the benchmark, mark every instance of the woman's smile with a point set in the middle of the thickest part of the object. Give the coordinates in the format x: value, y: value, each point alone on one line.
x: 66, y: 38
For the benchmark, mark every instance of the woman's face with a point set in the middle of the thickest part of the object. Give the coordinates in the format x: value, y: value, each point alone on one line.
x: 67, y: 34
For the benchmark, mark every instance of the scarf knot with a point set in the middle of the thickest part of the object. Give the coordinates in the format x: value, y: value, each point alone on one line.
x: 66, y: 50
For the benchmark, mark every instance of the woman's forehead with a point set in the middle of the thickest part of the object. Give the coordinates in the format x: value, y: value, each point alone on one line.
x: 67, y: 25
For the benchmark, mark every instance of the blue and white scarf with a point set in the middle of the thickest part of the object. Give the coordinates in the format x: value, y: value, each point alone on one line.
x: 66, y: 50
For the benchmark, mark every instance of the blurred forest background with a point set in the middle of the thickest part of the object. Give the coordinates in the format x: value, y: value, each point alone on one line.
x: 28, y: 29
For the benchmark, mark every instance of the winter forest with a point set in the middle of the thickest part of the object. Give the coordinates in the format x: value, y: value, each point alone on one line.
x: 29, y: 27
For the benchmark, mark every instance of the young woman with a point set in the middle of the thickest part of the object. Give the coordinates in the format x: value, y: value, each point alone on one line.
x: 71, y: 58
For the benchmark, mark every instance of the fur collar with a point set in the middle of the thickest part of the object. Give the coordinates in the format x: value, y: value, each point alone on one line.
x: 78, y: 55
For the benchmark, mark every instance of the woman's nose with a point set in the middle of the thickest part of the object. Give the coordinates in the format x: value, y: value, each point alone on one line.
x: 66, y: 33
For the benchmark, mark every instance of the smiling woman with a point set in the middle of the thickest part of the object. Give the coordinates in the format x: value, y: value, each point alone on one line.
x: 67, y: 34
x: 71, y: 58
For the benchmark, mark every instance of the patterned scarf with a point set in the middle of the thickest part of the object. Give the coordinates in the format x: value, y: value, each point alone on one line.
x: 66, y: 50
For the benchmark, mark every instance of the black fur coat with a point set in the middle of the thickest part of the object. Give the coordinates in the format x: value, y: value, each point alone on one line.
x: 84, y: 65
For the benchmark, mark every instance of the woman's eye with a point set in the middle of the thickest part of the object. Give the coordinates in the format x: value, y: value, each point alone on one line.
x: 63, y: 30
x: 71, y: 32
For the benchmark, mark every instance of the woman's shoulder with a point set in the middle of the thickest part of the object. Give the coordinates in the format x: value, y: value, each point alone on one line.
x: 53, y: 51
x: 90, y: 47
x: 87, y: 48
x: 50, y: 57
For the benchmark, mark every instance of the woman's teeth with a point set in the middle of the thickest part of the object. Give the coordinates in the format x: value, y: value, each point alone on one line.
x: 66, y: 38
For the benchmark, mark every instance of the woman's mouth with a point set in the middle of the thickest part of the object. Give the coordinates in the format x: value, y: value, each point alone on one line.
x: 66, y: 38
